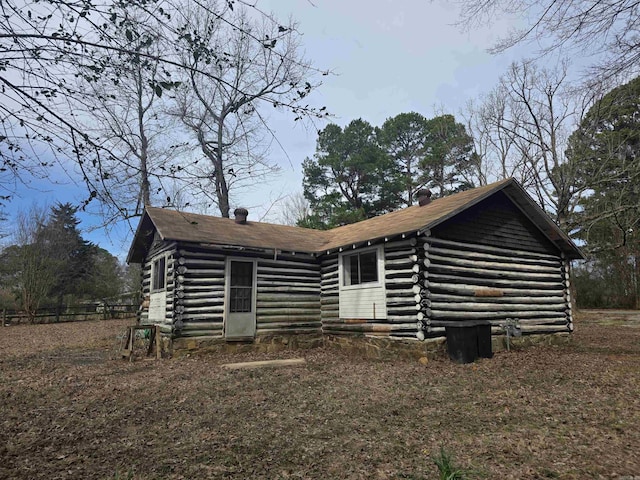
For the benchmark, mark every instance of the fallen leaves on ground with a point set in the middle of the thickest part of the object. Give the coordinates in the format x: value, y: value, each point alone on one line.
x: 72, y: 409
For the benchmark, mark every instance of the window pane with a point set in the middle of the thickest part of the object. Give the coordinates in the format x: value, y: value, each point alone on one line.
x: 161, y: 271
x: 241, y: 274
x: 158, y: 274
x: 368, y: 267
x: 354, y: 271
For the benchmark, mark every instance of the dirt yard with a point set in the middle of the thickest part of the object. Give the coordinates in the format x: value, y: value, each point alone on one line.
x: 70, y: 409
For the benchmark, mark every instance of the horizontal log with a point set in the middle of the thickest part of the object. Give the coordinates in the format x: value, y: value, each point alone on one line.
x: 279, y: 263
x: 494, y: 265
x: 192, y: 262
x: 402, y: 253
x: 489, y: 257
x: 288, y: 289
x: 292, y: 303
x: 437, y: 298
x: 302, y: 272
x: 214, y: 309
x: 330, y: 300
x: 205, y: 273
x: 456, y: 315
x: 390, y: 265
x: 288, y: 325
x: 498, y: 274
x: 200, y: 254
x: 405, y: 318
x: 408, y: 300
x: 405, y: 310
x: 286, y: 282
x: 211, y: 326
x: 196, y: 280
x: 188, y: 316
x: 400, y: 244
x: 331, y: 277
x: 289, y: 312
x: 286, y: 279
x: 497, y: 307
x: 479, y: 282
x: 330, y: 307
x: 286, y: 297
x: 403, y: 273
x: 200, y: 302
x: 197, y: 294
x: 266, y: 318
x: 474, y: 247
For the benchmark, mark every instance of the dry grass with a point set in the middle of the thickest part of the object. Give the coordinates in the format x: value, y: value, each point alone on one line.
x: 70, y: 411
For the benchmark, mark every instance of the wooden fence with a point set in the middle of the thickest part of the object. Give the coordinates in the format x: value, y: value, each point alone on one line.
x: 69, y: 314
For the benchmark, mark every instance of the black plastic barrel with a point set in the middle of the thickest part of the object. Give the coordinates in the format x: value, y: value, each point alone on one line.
x: 468, y: 341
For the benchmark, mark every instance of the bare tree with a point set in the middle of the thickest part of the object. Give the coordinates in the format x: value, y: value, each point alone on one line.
x: 45, y: 46
x: 127, y: 111
x: 522, y: 128
x: 225, y: 118
x: 295, y: 209
x: 606, y: 31
x: 34, y: 275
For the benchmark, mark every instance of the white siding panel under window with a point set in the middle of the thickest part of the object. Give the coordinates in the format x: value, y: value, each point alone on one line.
x: 364, y: 302
x: 157, y: 307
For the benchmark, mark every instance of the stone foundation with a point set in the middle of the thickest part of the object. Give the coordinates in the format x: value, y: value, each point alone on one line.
x: 261, y: 344
x: 388, y: 348
x: 499, y: 342
x: 369, y: 347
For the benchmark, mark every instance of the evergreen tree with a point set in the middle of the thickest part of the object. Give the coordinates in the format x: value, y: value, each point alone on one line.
x: 70, y: 255
x: 605, y: 151
x: 350, y: 177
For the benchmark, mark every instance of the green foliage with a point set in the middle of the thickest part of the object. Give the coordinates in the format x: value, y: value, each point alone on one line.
x: 605, y: 150
x: 405, y: 140
x: 360, y: 171
x: 447, y: 469
x: 51, y: 263
x: 350, y: 178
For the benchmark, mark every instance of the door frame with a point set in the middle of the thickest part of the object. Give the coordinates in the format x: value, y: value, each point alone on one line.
x: 227, y: 293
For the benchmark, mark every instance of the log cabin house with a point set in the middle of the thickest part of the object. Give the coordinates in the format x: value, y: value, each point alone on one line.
x: 488, y: 255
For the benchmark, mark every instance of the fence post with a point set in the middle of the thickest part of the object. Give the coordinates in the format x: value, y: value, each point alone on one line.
x: 4, y: 317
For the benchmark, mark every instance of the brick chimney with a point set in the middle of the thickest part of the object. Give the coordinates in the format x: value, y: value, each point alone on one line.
x: 241, y: 215
x: 424, y: 196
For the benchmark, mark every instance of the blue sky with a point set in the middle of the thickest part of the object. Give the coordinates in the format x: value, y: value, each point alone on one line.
x: 387, y: 57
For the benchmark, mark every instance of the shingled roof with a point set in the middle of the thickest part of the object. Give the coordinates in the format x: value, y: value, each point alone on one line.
x: 190, y: 227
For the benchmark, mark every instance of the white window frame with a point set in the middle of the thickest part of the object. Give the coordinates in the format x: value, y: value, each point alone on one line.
x: 154, y: 267
x: 342, y: 269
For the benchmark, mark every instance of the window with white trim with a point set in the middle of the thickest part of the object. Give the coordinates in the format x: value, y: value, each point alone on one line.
x: 360, y: 268
x: 158, y: 274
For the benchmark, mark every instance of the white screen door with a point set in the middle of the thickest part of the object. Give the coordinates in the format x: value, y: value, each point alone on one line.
x: 241, y: 315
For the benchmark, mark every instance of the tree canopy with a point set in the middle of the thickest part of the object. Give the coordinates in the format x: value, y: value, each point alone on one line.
x: 51, y: 264
x: 362, y: 171
x: 606, y: 152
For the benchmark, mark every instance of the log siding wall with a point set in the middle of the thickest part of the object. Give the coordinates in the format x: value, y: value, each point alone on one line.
x: 159, y: 248
x: 288, y: 295
x: 287, y: 292
x: 496, y: 222
x: 401, y: 292
x: 466, y: 281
